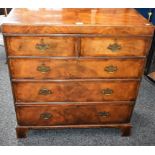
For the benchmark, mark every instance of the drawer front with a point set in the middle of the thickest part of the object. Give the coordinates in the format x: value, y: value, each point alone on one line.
x: 114, y: 47
x: 41, y: 46
x: 102, y: 90
x: 69, y: 69
x: 74, y: 114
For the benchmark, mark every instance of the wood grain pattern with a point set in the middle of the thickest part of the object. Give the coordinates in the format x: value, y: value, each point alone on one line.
x: 27, y: 46
x: 66, y: 46
x: 86, y: 20
x: 128, y: 46
x: 76, y: 68
x: 71, y: 114
x: 75, y: 91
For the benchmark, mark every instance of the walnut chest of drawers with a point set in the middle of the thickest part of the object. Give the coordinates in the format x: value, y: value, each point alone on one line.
x: 75, y: 68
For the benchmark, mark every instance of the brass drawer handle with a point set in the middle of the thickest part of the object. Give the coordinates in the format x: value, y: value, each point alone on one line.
x: 42, y: 46
x: 104, y: 114
x: 43, y: 69
x: 107, y: 91
x: 111, y: 69
x: 114, y: 47
x: 46, y: 116
x: 45, y: 91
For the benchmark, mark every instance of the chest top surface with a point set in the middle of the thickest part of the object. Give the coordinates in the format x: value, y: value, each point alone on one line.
x: 76, y: 21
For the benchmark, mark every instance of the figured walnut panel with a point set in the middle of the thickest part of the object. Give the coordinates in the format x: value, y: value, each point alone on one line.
x: 84, y: 20
x: 74, y: 114
x: 41, y: 46
x: 76, y: 68
x: 75, y: 91
x: 108, y: 46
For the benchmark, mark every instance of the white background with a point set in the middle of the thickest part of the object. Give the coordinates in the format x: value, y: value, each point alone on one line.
x: 78, y: 3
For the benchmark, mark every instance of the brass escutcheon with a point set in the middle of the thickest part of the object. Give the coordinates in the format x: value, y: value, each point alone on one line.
x: 42, y: 46
x: 45, y: 91
x: 107, y: 91
x: 114, y: 47
x: 43, y: 69
x: 46, y: 116
x: 111, y: 69
x: 104, y: 114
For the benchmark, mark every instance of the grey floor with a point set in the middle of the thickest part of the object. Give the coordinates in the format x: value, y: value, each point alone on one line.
x: 143, y: 120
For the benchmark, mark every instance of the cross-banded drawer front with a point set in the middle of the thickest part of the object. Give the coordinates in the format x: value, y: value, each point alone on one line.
x: 41, y: 46
x: 78, y: 91
x: 74, y: 114
x: 111, y: 46
x: 72, y: 68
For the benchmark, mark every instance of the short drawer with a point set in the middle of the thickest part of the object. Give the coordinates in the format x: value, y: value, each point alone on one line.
x: 73, y: 90
x: 108, y: 46
x: 40, y: 46
x: 74, y: 114
x: 72, y: 68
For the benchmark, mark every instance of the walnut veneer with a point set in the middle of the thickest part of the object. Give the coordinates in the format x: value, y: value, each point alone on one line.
x: 75, y: 68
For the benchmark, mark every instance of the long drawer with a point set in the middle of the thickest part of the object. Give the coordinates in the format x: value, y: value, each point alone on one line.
x: 74, y: 114
x: 113, y: 46
x: 41, y: 46
x: 76, y: 68
x: 74, y: 90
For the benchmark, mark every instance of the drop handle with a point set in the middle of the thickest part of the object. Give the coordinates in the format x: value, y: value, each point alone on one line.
x: 42, y: 46
x: 111, y: 69
x: 45, y: 116
x: 104, y: 114
x: 115, y: 47
x: 107, y: 91
x: 43, y: 68
x: 45, y: 91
